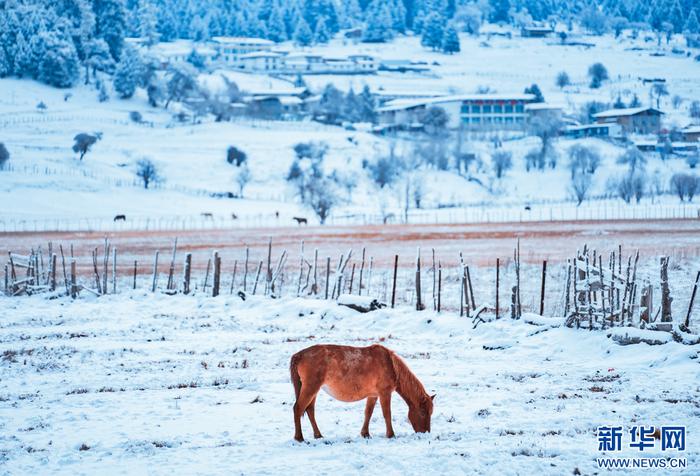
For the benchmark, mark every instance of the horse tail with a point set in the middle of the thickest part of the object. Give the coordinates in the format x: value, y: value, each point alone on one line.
x: 294, y: 373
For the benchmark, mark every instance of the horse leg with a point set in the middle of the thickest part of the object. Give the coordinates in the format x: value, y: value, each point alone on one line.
x: 369, y: 408
x: 385, y: 402
x: 311, y: 412
x: 306, y: 395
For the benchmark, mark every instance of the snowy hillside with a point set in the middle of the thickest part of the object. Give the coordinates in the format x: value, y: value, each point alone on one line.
x: 184, y: 385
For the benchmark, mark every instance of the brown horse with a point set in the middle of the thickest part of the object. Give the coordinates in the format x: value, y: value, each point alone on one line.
x: 350, y: 374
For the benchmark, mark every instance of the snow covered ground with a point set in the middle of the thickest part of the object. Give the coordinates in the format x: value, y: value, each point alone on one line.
x: 151, y: 384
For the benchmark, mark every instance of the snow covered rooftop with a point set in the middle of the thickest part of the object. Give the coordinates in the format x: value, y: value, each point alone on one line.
x: 543, y: 106
x: 398, y: 104
x: 626, y: 112
x: 242, y: 40
x: 262, y: 54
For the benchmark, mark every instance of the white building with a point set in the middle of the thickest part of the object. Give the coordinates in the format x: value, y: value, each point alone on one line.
x: 229, y: 48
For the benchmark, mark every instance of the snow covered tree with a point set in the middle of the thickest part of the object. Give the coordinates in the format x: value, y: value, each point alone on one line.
x: 182, y: 83
x: 450, y: 41
x: 563, y: 80
x: 321, y: 35
x: 633, y: 158
x: 580, y: 186
x: 236, y: 156
x: 83, y: 142
x: 148, y: 22
x: 635, y: 102
x: 59, y: 67
x: 433, y: 31
x: 378, y: 29
x: 276, y: 28
x: 111, y: 24
x: 128, y: 73
x: 500, y: 11
x: 598, y: 73
x: 692, y: 26
x: 535, y: 91
x: 367, y: 105
x: 330, y: 107
x: 243, y: 178
x: 147, y: 171
x: 302, y: 34
x: 659, y: 90
x: 23, y: 60
x: 97, y: 58
x: 583, y: 160
x: 434, y: 120
x: 469, y: 19
x: 322, y: 197
x: 350, y: 14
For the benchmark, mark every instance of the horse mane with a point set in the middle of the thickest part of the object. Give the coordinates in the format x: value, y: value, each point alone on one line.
x: 407, y: 384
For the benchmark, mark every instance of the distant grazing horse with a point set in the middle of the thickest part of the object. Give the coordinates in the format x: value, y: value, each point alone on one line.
x: 350, y: 374
x: 120, y: 218
x: 301, y: 220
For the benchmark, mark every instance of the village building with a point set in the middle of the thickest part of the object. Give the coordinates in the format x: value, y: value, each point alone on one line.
x: 603, y: 131
x: 691, y: 133
x: 471, y: 112
x: 230, y: 49
x: 638, y: 120
x: 534, y: 31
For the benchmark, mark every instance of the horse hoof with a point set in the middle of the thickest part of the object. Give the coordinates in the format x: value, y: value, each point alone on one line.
x: 300, y: 439
x: 365, y: 435
x: 390, y: 435
x: 318, y: 436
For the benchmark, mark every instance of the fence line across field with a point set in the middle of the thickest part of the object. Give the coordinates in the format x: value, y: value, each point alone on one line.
x: 598, y: 290
x: 472, y: 215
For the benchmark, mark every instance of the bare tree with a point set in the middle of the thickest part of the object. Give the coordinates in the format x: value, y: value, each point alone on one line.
x: 147, y: 171
x: 634, y: 158
x: 501, y: 161
x: 243, y: 178
x: 685, y: 186
x: 321, y: 197
x: 583, y: 159
x: 580, y: 185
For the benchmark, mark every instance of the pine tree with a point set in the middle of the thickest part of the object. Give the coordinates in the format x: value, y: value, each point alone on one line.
x: 60, y: 66
x: 350, y: 14
x: 433, y: 30
x: 367, y: 105
x: 111, y: 24
x: 148, y: 22
x: 97, y: 58
x: 450, y: 41
x: 692, y: 26
x: 23, y: 57
x: 500, y: 11
x: 535, y: 91
x: 321, y: 35
x: 276, y: 29
x: 128, y: 73
x: 5, y: 66
x: 302, y: 34
x: 676, y: 17
x: 378, y: 29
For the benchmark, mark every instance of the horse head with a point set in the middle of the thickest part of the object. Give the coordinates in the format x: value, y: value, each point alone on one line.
x: 419, y: 414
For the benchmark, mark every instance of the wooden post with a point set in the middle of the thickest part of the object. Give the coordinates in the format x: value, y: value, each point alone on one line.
x: 471, y: 290
x: 73, y: 285
x: 65, y: 273
x: 362, y: 269
x: 352, y: 278
x: 187, y: 275
x: 519, y: 303
x: 52, y: 281
x: 666, y: 298
x: 314, y: 286
x: 419, y: 303
x: 434, y: 269
x: 646, y: 303
x: 268, y: 276
x: 98, y: 284
x: 217, y: 274
x: 301, y: 268
x: 7, y: 280
x: 544, y: 279
x: 328, y: 274
x: 233, y: 276
x: 393, y: 286
x: 206, y: 276
x: 498, y: 272
x: 369, y: 275
x: 439, y: 287
x: 692, y: 300
x: 114, y: 270
x: 245, y: 270
x: 257, y: 276
x: 136, y: 264
x: 154, y: 284
x: 105, y: 267
x: 171, y: 271
x: 465, y: 291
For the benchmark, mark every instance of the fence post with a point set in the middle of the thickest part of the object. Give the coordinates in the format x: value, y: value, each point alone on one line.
x: 393, y: 286
x: 544, y: 278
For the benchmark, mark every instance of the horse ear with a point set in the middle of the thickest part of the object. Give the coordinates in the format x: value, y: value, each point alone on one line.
x: 432, y: 397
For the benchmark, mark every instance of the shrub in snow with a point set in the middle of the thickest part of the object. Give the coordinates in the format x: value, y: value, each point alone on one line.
x: 685, y: 186
x: 147, y: 171
x: 4, y: 156
x: 598, y: 73
x: 534, y: 160
x: 693, y: 159
x: 384, y: 170
x: 102, y: 96
x: 563, y: 80
x: 136, y: 117
x: 235, y: 156
x: 83, y: 142
x: 434, y: 120
x: 501, y: 161
x: 631, y: 185
x: 535, y: 91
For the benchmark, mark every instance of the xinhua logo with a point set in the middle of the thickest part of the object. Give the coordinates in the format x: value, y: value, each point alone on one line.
x: 666, y: 438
